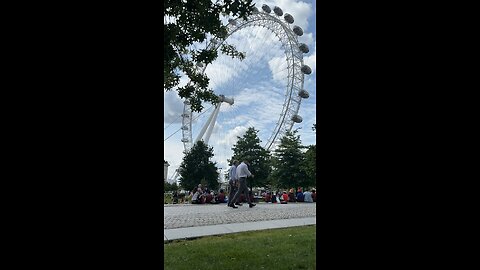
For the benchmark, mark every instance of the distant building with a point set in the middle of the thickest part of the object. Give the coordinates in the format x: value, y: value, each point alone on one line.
x: 165, y: 170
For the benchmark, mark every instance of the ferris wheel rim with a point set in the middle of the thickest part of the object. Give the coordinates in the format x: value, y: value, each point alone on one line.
x: 295, y: 70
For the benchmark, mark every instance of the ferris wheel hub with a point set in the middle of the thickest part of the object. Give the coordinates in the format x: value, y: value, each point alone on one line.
x: 228, y: 100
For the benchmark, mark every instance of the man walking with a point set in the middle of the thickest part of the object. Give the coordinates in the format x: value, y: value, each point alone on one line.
x: 232, y: 182
x: 242, y: 174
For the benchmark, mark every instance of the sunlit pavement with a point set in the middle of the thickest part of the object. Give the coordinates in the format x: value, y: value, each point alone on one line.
x: 211, y: 219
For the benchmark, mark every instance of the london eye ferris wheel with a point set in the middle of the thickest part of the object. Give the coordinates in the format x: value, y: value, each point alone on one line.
x: 250, y: 97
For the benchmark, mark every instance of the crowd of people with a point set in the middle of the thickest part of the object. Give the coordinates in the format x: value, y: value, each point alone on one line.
x: 283, y: 197
x: 203, y: 195
x: 239, y: 193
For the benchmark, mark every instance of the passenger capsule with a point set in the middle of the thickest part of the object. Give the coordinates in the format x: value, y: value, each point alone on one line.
x: 288, y: 18
x: 255, y: 10
x: 297, y: 118
x: 199, y: 64
x: 306, y: 69
x: 278, y: 11
x: 186, y: 102
x: 303, y: 48
x: 184, y: 128
x: 266, y: 8
x: 303, y: 93
x: 298, y: 30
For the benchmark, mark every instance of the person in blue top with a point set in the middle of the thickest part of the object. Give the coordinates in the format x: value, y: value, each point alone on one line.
x: 232, y: 181
x: 300, y: 197
x: 308, y: 196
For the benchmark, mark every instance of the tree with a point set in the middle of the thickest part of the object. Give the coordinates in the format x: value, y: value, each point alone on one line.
x: 248, y: 147
x: 310, y: 166
x: 170, y: 187
x: 197, y: 168
x: 188, y: 23
x: 288, y: 162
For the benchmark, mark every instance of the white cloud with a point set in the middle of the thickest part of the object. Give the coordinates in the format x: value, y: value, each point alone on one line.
x: 172, y: 108
x: 257, y: 85
x: 278, y: 67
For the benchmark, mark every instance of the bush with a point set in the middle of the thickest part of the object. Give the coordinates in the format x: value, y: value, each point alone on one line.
x: 167, y: 198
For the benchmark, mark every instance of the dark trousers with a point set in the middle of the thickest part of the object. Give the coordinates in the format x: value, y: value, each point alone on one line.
x: 233, y: 190
x: 242, y: 189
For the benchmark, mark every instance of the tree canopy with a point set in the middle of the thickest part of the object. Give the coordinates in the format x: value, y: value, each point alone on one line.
x: 248, y: 147
x: 169, y: 187
x: 197, y: 168
x: 310, y: 166
x: 187, y: 23
x: 288, y: 162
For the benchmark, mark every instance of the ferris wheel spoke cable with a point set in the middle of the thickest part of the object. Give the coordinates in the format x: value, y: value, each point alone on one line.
x: 192, y: 120
x: 274, y: 36
x: 173, y: 121
x: 242, y: 48
x: 253, y: 58
x: 263, y: 59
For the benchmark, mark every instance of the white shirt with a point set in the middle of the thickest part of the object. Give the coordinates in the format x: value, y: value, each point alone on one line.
x: 233, y: 173
x: 242, y: 170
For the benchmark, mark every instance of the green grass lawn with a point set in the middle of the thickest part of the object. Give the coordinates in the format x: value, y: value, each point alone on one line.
x: 288, y: 248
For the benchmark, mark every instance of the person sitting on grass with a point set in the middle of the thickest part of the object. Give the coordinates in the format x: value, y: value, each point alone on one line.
x: 291, y: 195
x: 214, y: 198
x: 221, y: 196
x: 284, y: 197
x: 274, y: 197
x: 208, y: 197
x: 202, y: 194
x: 307, y: 197
x: 300, y: 196
x: 196, y: 196
x: 278, y: 197
x: 268, y: 197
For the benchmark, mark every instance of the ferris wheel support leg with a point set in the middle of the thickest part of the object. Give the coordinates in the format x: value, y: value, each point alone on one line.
x: 207, y: 124
x: 210, y: 128
x: 174, y: 177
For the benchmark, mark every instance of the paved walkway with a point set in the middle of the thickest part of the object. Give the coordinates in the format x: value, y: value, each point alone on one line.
x: 191, y: 221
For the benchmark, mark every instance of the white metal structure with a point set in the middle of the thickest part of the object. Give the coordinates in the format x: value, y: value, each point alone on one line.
x: 280, y: 25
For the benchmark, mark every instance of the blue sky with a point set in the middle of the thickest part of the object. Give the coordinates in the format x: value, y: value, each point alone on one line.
x: 257, y: 85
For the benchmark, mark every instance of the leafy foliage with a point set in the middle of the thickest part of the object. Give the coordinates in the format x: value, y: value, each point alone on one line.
x: 169, y: 187
x: 190, y: 22
x: 197, y: 168
x: 310, y: 166
x: 248, y: 147
x: 288, y: 162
